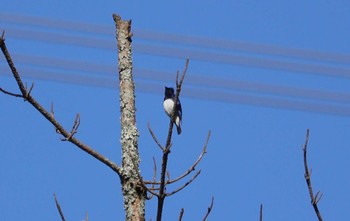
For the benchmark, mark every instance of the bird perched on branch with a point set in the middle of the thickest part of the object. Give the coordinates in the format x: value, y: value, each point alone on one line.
x: 168, y: 104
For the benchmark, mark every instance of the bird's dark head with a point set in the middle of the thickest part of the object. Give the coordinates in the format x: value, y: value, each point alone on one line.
x: 169, y: 92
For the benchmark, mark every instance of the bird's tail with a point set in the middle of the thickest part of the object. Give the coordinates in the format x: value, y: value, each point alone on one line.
x: 178, y: 128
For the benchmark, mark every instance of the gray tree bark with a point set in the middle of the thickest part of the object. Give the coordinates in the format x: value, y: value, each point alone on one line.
x: 134, y: 193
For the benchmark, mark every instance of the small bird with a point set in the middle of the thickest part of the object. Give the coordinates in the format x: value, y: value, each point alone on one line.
x: 168, y: 104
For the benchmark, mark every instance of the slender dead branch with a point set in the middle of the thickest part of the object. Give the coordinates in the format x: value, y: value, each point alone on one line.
x: 10, y: 93
x: 179, y: 84
x: 74, y: 128
x: 154, y: 137
x: 154, y: 173
x: 12, y: 66
x: 183, y: 186
x: 209, y: 209
x: 190, y: 170
x: 30, y: 89
x: 181, y: 214
x: 153, y: 183
x: 142, y: 183
x: 166, y: 151
x: 314, y: 198
x: 49, y: 115
x: 261, y: 213
x: 193, y: 167
x: 59, y: 208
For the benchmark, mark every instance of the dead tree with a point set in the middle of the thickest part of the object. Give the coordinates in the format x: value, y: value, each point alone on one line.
x: 134, y: 188
x: 134, y: 192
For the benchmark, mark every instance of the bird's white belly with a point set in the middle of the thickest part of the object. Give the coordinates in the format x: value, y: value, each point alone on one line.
x: 168, y: 106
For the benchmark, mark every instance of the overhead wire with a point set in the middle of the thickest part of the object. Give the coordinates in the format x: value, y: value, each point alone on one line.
x: 221, y: 89
x: 176, y: 52
x: 191, y: 92
x: 203, y: 42
x: 106, y: 71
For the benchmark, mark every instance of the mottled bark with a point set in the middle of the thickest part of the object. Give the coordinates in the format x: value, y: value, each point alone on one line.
x: 134, y: 193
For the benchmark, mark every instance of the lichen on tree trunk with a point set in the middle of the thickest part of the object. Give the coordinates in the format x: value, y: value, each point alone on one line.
x: 133, y: 191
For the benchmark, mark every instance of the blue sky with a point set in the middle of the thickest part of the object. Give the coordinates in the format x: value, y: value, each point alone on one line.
x: 258, y: 112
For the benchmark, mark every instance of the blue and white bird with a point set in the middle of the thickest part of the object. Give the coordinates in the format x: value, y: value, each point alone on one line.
x: 168, y: 104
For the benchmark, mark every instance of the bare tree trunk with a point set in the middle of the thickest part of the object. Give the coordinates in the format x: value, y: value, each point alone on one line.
x: 133, y: 189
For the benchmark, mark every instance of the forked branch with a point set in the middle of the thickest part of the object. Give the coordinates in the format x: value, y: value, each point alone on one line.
x: 314, y: 198
x: 26, y: 95
x: 165, y: 175
x: 189, y: 170
x: 184, y: 185
x: 166, y: 150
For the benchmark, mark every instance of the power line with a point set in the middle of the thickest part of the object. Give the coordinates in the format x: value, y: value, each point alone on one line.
x: 202, y: 42
x: 211, y: 57
x: 103, y: 71
x: 225, y: 90
x: 244, y: 61
x: 189, y: 91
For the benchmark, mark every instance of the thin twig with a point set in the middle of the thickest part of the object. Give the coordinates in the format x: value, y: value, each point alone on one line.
x: 209, y: 209
x: 10, y: 93
x: 181, y: 214
x: 151, y: 191
x: 193, y: 167
x: 74, y: 128
x: 142, y: 183
x: 30, y: 89
x: 154, y: 137
x: 59, y: 208
x: 154, y: 176
x: 307, y: 175
x: 179, y: 84
x: 183, y: 186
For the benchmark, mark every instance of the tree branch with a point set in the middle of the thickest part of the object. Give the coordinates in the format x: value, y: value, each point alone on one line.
x: 209, y: 209
x: 181, y: 214
x: 133, y: 188
x: 314, y: 199
x: 59, y: 208
x: 154, y: 137
x: 74, y: 128
x: 10, y: 93
x: 183, y: 186
x: 166, y: 151
x: 154, y: 173
x: 49, y: 116
x: 193, y: 167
